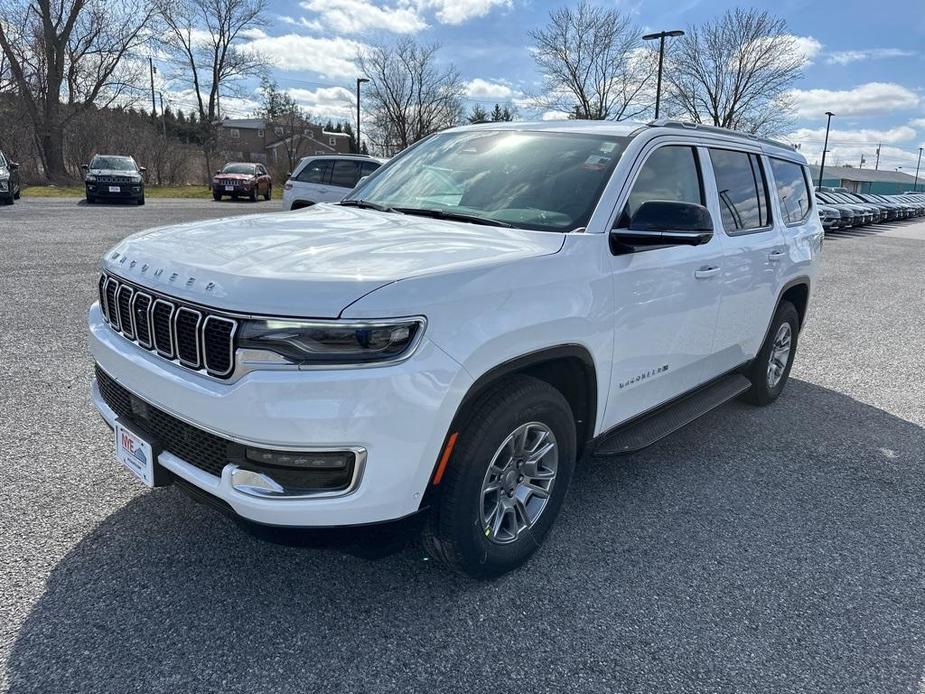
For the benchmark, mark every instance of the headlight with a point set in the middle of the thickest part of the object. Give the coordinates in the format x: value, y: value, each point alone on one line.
x: 335, y: 342
x: 91, y: 179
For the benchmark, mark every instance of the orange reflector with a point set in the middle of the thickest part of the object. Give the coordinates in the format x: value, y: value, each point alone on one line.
x: 445, y: 458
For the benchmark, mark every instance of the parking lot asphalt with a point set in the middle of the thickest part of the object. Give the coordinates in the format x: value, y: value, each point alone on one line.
x: 758, y: 550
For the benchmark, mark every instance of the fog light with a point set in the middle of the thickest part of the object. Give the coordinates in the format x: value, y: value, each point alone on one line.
x: 306, y: 461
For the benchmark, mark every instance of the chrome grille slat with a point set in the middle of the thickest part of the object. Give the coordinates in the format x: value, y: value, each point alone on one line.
x: 192, y: 337
x: 124, y: 304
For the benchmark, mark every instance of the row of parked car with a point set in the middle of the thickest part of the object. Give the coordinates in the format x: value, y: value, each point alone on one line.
x: 839, y: 208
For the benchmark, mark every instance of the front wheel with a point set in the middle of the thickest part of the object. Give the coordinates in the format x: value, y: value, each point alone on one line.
x: 770, y: 370
x: 141, y: 200
x: 269, y: 194
x: 253, y: 195
x: 505, y: 480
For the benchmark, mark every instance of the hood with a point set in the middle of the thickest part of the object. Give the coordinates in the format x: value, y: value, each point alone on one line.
x: 236, y: 176
x: 311, y: 263
x: 113, y: 172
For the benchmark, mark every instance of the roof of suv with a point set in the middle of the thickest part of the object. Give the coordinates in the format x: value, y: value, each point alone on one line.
x: 629, y: 128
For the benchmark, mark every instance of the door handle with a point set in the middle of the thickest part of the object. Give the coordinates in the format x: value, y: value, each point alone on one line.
x: 706, y: 272
x: 774, y: 256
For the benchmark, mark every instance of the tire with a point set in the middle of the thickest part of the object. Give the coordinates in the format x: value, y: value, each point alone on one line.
x: 253, y: 195
x: 141, y: 200
x: 268, y: 194
x: 17, y: 194
x: 91, y: 199
x: 462, y: 531
x: 216, y: 196
x: 766, y: 387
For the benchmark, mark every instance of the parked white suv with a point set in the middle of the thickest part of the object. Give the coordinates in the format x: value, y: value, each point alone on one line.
x: 325, y: 179
x: 486, y: 309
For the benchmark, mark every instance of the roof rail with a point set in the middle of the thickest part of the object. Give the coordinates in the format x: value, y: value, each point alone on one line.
x: 688, y: 125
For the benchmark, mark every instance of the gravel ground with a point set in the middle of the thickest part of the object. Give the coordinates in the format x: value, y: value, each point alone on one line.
x: 758, y: 550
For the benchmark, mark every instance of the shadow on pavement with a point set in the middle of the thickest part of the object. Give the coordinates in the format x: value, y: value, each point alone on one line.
x: 776, y: 549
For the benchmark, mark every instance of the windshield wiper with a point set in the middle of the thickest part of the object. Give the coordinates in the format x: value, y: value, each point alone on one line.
x: 366, y: 205
x: 454, y: 216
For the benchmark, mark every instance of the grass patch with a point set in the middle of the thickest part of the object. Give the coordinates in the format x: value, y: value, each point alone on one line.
x: 203, y: 192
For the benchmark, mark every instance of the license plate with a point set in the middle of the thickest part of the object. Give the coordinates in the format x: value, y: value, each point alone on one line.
x: 229, y: 188
x: 114, y: 189
x: 135, y: 453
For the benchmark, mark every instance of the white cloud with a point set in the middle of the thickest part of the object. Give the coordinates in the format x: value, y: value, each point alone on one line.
x: 330, y: 57
x: 902, y: 133
x: 917, y: 123
x: 357, y: 16
x: 484, y: 89
x: 872, y: 98
x: 336, y: 103
x: 853, y: 56
x: 806, y: 46
x: 460, y: 11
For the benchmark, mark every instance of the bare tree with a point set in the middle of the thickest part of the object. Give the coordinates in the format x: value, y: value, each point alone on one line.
x: 206, y: 37
x: 281, y: 114
x: 64, y: 57
x: 593, y: 64
x: 410, y: 94
x: 735, y: 72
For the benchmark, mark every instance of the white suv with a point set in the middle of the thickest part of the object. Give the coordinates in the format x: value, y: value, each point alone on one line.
x: 325, y: 179
x: 449, y: 341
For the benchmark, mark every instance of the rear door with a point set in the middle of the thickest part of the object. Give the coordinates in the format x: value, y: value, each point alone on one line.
x: 755, y: 252
x: 344, y: 177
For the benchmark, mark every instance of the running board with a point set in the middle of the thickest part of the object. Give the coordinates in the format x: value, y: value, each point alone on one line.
x: 649, y: 428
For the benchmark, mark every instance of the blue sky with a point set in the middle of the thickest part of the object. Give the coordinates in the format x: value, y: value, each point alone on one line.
x: 865, y: 61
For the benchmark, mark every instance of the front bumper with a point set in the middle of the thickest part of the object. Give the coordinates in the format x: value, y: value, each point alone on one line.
x: 398, y: 414
x: 127, y: 191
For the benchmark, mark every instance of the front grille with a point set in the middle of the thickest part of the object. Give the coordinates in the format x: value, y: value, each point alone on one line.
x: 197, y: 447
x: 114, y: 179
x: 192, y: 336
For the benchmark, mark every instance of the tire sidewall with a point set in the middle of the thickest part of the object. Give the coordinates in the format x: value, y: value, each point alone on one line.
x: 474, y: 456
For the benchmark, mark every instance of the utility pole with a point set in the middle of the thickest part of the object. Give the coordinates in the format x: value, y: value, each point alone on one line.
x: 163, y: 115
x: 360, y: 80
x: 877, y: 165
x: 153, y: 107
x: 915, y: 186
x: 825, y: 146
x: 661, y: 58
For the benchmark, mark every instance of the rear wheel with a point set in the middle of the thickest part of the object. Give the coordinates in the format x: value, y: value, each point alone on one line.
x: 505, y: 481
x: 770, y: 370
x: 269, y: 193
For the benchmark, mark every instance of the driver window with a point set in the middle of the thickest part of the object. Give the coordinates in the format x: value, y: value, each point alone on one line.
x: 671, y: 173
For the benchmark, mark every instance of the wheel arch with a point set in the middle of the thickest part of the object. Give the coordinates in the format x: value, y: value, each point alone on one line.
x: 796, y: 291
x: 568, y: 368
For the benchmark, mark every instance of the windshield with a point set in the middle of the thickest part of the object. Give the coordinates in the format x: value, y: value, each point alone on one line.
x: 533, y: 180
x: 113, y: 163
x: 240, y: 168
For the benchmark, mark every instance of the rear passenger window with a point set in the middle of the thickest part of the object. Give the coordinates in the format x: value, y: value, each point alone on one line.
x: 315, y: 172
x: 792, y: 190
x: 742, y: 188
x: 346, y: 174
x: 670, y: 173
x: 368, y: 167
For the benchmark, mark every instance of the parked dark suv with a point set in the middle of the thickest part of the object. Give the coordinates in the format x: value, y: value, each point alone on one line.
x: 10, y: 186
x: 114, y: 177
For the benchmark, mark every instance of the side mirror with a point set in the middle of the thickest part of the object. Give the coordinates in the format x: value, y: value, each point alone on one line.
x: 362, y: 178
x: 667, y: 223
x: 142, y: 169
x: 218, y: 172
x: 288, y: 174
x: 13, y: 165
x: 85, y: 167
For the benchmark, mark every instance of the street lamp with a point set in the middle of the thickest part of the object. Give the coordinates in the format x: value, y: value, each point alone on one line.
x: 360, y: 80
x: 825, y: 147
x: 915, y: 186
x: 661, y: 57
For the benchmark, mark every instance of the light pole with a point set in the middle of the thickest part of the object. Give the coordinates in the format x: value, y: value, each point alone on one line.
x: 915, y: 186
x: 661, y: 58
x: 825, y: 146
x: 360, y: 80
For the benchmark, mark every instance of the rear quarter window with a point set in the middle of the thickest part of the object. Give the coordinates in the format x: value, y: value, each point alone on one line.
x: 792, y: 190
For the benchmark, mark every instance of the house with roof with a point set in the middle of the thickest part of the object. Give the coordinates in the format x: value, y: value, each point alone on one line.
x: 876, y: 181
x: 253, y: 139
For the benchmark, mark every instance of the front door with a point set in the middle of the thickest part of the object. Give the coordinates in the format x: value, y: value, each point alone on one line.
x: 667, y: 297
